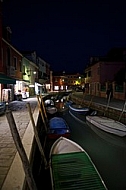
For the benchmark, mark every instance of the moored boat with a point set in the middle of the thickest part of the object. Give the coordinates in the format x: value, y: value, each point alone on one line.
x: 58, y: 127
x: 51, y: 110
x: 49, y: 102
x: 107, y: 124
x: 72, y: 168
x: 2, y: 107
x: 79, y: 109
x: 108, y: 137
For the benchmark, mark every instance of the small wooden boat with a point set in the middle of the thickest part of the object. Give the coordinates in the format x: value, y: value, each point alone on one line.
x: 49, y: 102
x: 72, y: 168
x: 107, y: 124
x: 58, y: 127
x: 78, y: 108
x: 51, y: 110
x: 108, y: 137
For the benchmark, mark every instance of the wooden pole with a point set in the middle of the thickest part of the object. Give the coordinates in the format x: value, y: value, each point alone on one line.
x: 107, y: 103
x: 44, y: 108
x: 36, y: 135
x: 122, y: 110
x: 83, y: 98
x: 91, y: 101
x: 21, y: 151
x: 41, y: 113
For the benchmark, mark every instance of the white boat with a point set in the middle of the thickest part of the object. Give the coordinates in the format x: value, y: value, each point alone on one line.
x: 72, y: 168
x: 107, y: 124
x: 112, y: 139
x: 51, y: 110
x: 49, y: 102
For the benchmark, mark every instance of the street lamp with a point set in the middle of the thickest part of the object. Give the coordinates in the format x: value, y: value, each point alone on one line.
x: 29, y: 71
x: 34, y: 72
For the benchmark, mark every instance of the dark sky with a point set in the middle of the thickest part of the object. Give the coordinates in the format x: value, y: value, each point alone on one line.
x: 66, y: 33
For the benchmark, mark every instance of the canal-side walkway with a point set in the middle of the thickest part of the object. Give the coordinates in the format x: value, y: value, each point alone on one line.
x: 10, y: 162
x: 114, y: 103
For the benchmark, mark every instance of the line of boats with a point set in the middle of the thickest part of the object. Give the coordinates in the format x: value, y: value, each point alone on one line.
x: 70, y: 165
x: 100, y: 121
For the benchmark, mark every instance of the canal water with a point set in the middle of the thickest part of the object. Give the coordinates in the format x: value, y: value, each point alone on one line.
x: 107, y: 151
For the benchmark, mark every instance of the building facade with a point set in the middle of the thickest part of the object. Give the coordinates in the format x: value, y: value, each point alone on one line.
x: 101, y: 74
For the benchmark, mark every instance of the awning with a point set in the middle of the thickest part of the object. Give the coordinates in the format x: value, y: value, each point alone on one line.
x: 6, y: 80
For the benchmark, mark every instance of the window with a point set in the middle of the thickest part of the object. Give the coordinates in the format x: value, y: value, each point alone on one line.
x: 15, y: 63
x: 23, y: 69
x: 98, y: 71
x: 103, y: 87
x: 89, y: 73
x: 2, y: 56
x: 20, y: 66
x: 8, y: 57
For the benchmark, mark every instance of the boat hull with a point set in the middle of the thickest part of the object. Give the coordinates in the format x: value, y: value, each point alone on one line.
x: 79, y: 109
x: 49, y: 102
x: 107, y: 124
x: 72, y: 168
x: 108, y: 137
x: 51, y: 110
x: 58, y: 127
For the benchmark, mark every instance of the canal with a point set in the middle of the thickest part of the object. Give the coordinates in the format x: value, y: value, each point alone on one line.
x: 107, y: 151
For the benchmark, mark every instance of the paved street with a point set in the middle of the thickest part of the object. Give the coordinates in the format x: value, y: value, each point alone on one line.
x: 7, y: 146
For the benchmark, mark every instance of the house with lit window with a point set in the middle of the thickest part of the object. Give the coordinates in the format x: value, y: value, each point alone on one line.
x: 107, y: 72
x: 10, y: 68
x: 63, y: 81
x: 75, y: 81
x: 59, y: 80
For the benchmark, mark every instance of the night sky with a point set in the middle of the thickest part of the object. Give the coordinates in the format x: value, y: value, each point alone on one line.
x: 66, y: 33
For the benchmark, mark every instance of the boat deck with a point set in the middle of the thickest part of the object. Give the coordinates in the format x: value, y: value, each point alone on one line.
x: 75, y: 171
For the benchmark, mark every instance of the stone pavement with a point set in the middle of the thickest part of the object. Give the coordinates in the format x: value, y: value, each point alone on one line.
x: 7, y: 146
x: 114, y: 103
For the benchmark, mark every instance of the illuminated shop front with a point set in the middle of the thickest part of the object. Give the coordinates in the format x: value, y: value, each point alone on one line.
x: 22, y: 87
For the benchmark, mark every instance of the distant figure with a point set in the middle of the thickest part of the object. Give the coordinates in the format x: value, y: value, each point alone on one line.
x: 83, y: 89
x: 109, y: 93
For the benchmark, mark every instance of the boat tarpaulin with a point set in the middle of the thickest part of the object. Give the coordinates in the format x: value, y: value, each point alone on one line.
x: 75, y: 171
x: 4, y: 79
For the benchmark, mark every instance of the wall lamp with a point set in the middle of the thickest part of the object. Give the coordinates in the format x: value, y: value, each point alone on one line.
x: 34, y: 72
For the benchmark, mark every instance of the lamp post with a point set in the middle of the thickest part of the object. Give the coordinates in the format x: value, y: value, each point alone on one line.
x: 80, y: 81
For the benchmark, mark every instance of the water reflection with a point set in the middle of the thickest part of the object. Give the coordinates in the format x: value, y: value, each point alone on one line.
x: 110, y: 138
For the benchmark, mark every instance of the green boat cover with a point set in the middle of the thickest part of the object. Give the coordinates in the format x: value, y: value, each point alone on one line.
x: 75, y: 170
